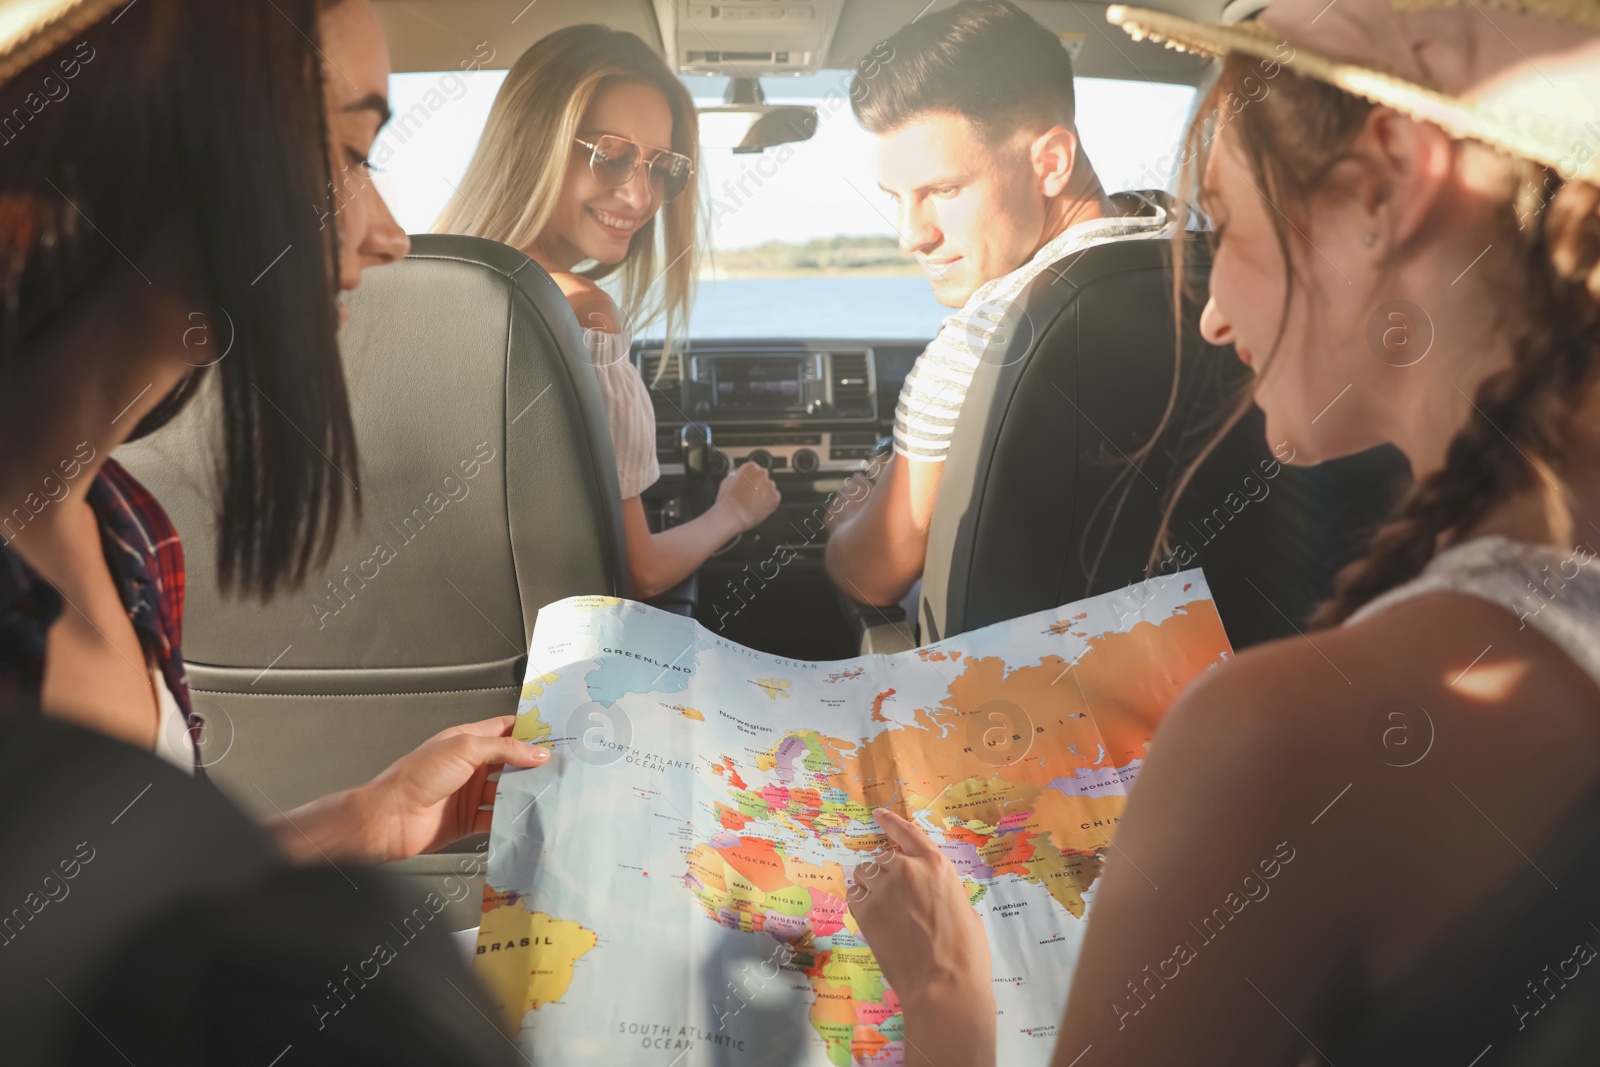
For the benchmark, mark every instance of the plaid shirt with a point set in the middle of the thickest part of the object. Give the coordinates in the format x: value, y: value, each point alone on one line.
x: 141, y: 545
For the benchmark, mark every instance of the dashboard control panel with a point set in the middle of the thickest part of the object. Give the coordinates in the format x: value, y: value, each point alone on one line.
x: 797, y: 411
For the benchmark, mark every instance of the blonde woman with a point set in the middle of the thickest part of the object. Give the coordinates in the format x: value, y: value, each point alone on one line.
x: 588, y: 161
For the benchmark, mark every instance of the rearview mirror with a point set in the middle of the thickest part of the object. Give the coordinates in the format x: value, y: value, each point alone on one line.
x: 752, y: 129
x: 745, y: 122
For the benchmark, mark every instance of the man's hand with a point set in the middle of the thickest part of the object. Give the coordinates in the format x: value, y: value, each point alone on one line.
x: 425, y: 800
x: 749, y: 495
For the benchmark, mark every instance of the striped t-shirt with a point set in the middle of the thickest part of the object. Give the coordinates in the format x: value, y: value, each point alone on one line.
x: 931, y: 398
x: 629, y: 414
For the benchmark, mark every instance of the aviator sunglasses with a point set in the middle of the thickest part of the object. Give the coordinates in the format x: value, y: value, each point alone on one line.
x: 615, y: 160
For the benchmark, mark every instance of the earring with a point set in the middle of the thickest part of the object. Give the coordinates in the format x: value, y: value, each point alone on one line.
x: 1369, y: 239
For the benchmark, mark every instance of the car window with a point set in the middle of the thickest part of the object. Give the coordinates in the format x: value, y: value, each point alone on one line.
x: 802, y: 240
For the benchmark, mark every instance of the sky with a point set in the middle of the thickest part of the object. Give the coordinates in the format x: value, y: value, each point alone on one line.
x: 823, y: 187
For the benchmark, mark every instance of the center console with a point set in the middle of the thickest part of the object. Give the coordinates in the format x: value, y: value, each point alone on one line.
x: 812, y: 413
x: 797, y: 410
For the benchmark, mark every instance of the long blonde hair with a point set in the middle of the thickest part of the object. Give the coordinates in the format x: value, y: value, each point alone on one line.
x: 514, y: 181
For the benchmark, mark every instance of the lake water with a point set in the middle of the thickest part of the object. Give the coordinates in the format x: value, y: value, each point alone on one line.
x: 821, y: 307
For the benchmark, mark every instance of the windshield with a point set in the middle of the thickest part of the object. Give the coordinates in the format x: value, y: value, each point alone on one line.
x: 802, y: 240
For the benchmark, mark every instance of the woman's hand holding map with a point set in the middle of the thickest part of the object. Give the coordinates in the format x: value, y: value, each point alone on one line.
x: 438, y: 793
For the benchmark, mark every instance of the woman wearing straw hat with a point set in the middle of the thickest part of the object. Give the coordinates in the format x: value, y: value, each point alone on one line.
x: 1376, y: 842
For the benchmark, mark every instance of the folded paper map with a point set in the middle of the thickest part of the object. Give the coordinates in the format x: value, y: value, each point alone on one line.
x: 673, y: 887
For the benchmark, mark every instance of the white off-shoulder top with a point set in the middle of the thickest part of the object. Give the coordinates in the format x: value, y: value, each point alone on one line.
x: 629, y: 414
x: 1555, y: 591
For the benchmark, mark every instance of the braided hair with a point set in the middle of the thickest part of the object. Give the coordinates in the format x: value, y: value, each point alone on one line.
x: 1518, y: 433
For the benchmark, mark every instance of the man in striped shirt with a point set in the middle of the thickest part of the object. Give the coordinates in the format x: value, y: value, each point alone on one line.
x: 972, y: 110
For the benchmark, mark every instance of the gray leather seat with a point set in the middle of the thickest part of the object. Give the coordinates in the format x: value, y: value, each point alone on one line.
x: 1076, y: 383
x: 487, y: 475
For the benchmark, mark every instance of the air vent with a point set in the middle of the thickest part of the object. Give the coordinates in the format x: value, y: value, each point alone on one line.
x: 747, y: 38
x: 657, y: 377
x: 852, y: 379
x: 693, y: 57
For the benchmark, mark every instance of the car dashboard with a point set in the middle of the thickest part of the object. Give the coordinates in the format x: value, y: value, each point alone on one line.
x: 812, y: 412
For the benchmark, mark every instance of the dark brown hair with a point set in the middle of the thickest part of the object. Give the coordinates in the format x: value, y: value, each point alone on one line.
x: 203, y: 120
x: 1292, y: 136
x: 986, y: 60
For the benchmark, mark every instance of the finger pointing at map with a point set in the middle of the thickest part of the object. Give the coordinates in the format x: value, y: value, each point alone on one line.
x: 918, y: 920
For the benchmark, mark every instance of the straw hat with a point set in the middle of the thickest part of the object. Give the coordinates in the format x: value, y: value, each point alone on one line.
x: 32, y: 29
x: 1520, y: 75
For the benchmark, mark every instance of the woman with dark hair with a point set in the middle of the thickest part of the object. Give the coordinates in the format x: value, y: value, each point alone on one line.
x: 174, y: 171
x: 1378, y: 842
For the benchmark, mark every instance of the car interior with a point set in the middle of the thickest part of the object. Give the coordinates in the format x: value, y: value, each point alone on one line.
x: 489, y: 489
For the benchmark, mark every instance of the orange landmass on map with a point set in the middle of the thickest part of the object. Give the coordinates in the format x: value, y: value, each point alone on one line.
x: 726, y: 767
x: 758, y: 861
x: 730, y: 818
x: 834, y: 1003
x: 877, y: 705
x: 1100, y: 711
x: 828, y: 877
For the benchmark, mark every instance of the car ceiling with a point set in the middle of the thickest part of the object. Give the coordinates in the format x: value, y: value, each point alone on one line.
x: 429, y: 35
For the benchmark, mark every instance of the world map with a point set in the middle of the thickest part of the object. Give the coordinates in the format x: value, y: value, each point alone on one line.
x: 673, y: 887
